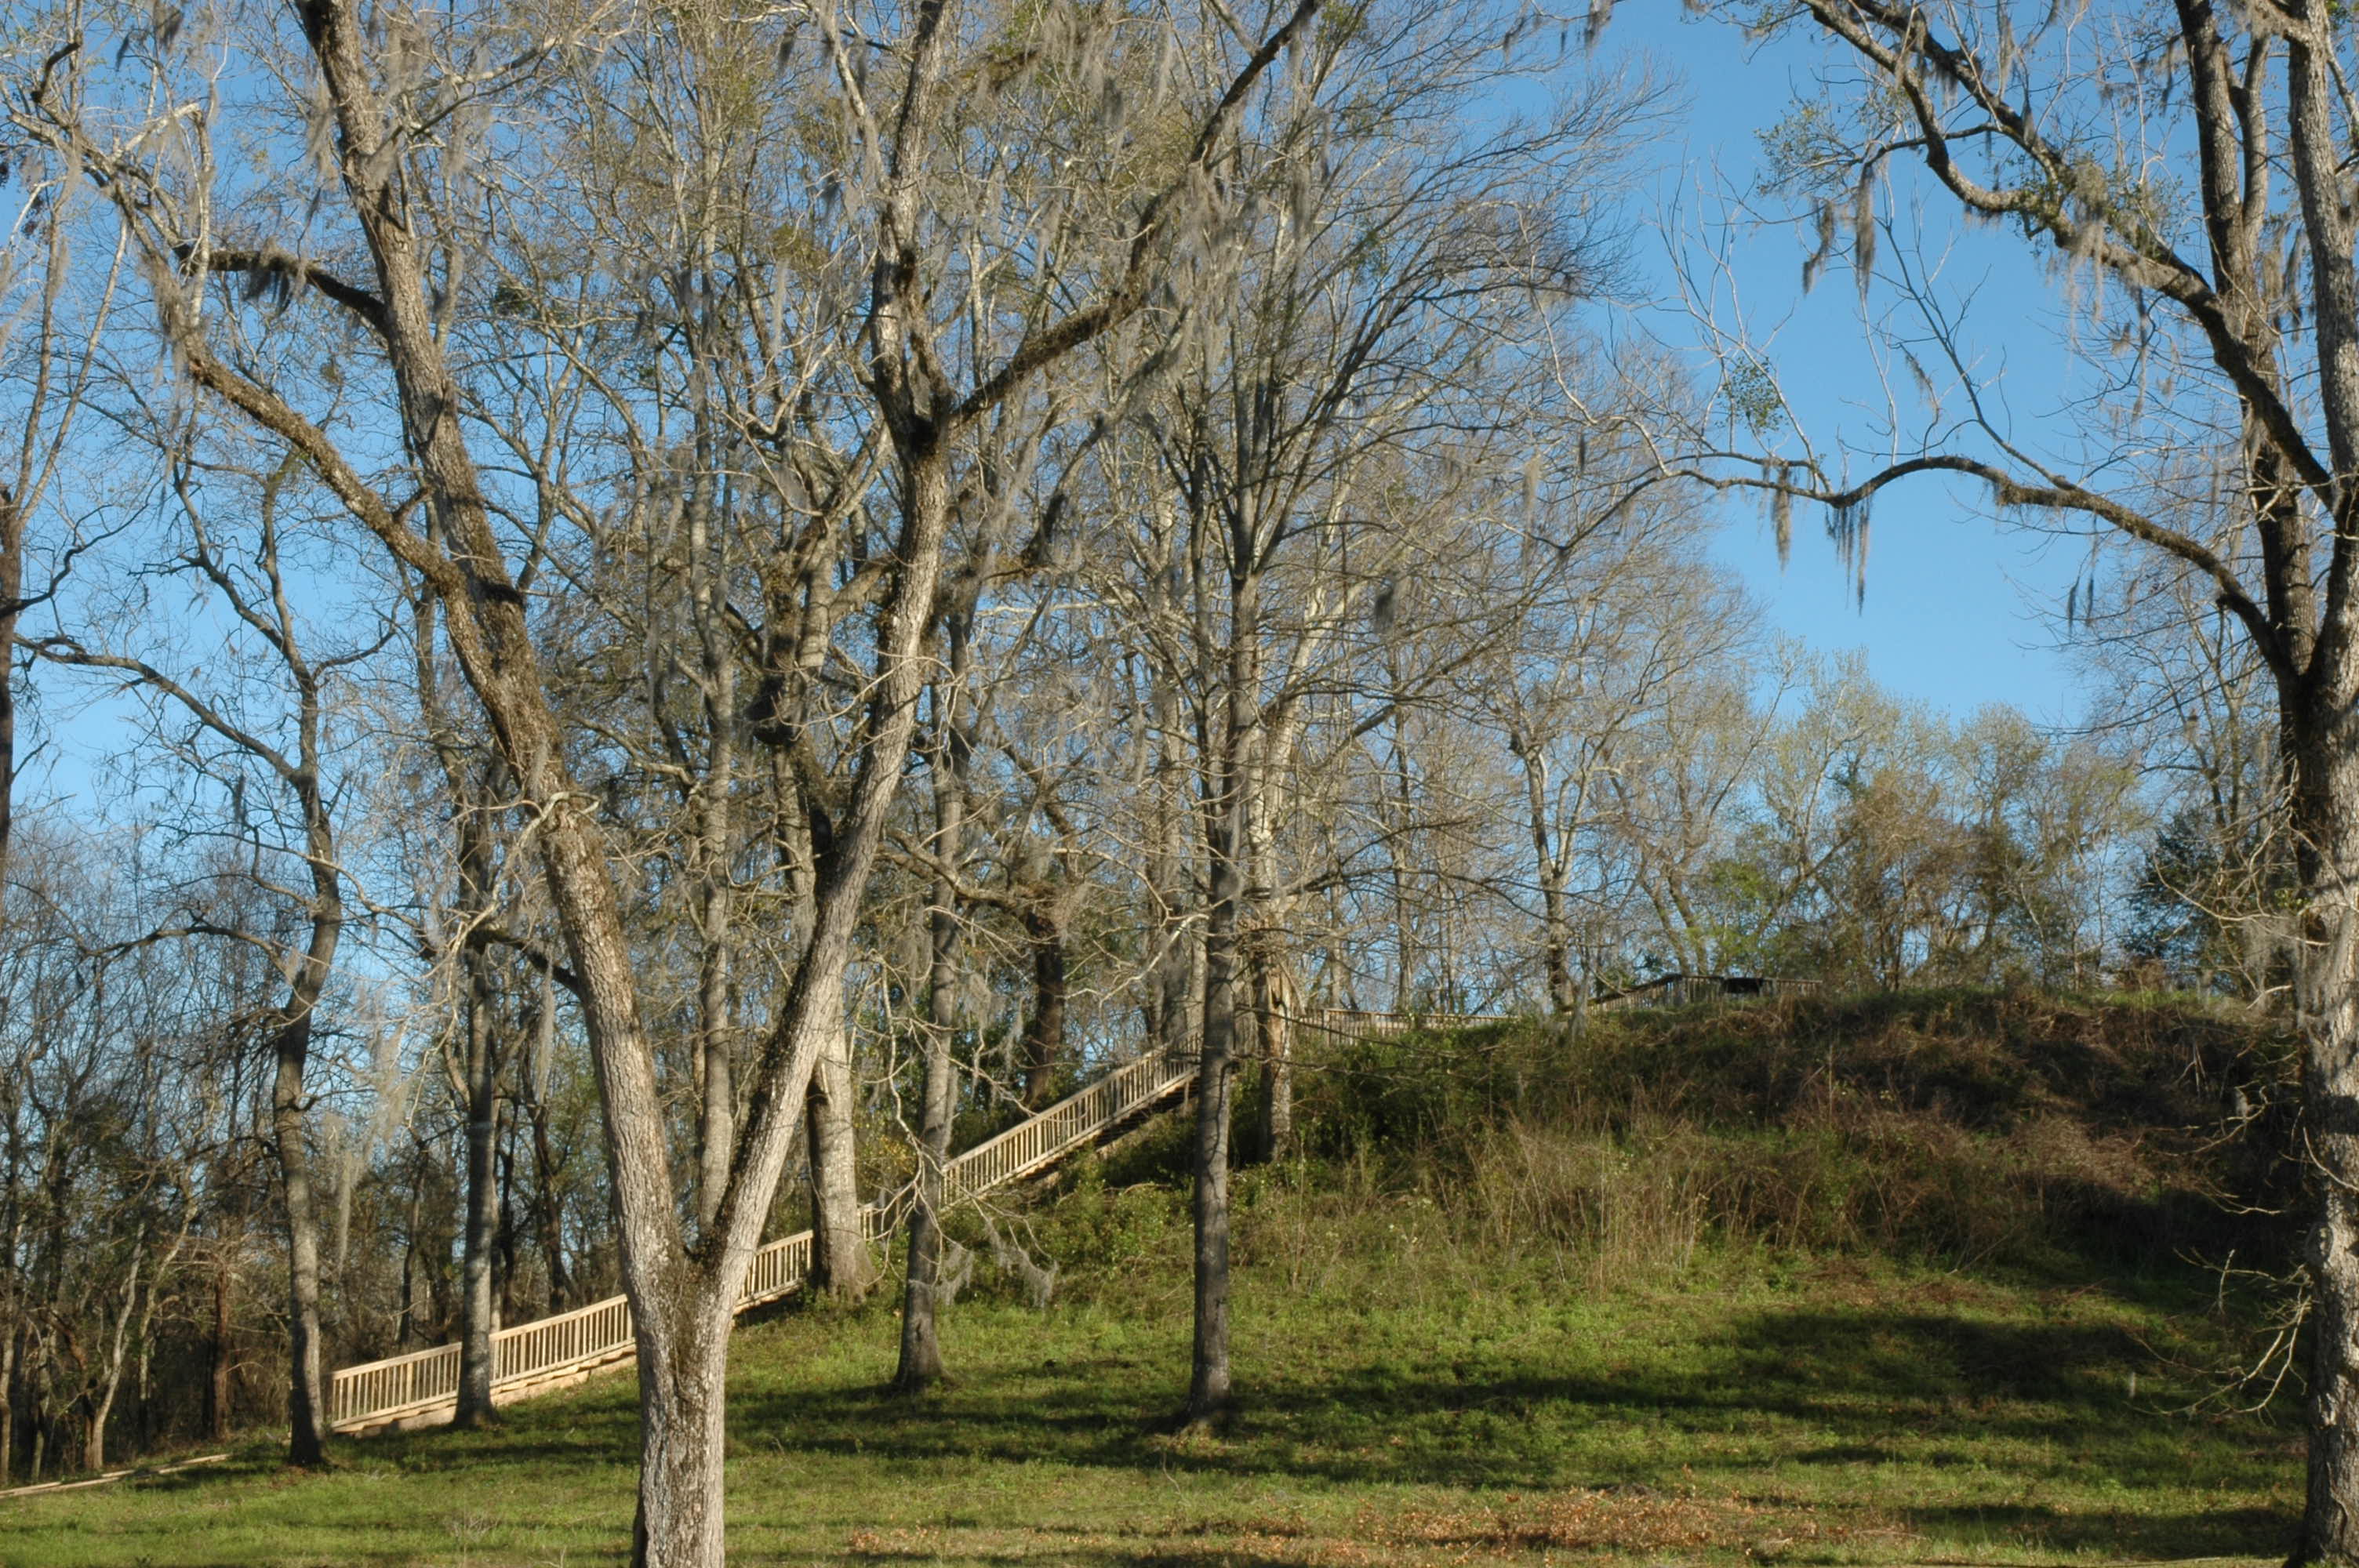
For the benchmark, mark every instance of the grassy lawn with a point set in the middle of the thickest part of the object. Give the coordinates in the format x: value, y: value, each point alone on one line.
x: 1748, y: 1409
x: 1934, y: 1314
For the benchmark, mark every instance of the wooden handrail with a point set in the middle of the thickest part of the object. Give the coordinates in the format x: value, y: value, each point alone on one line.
x: 1354, y: 1024
x: 422, y: 1383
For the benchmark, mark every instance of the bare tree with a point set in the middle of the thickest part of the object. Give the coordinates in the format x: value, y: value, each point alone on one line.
x: 55, y: 313
x: 2241, y: 279
x: 1315, y: 432
x: 294, y: 753
x: 386, y: 174
x: 1595, y: 699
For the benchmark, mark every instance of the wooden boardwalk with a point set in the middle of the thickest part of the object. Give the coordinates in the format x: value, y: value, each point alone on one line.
x: 421, y: 1387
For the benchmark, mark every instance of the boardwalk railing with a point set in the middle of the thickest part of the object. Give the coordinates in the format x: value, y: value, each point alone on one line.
x: 1685, y: 990
x: 1350, y: 1023
x: 424, y: 1384
x: 1028, y: 1146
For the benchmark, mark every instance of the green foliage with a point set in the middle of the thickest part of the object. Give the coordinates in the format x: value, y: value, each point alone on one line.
x: 2214, y: 903
x: 1104, y: 1234
x: 1807, y: 151
x: 1750, y: 387
x: 1883, y: 844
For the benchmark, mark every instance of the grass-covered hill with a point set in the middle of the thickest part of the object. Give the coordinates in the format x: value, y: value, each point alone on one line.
x: 1951, y: 1128
x: 1908, y: 1279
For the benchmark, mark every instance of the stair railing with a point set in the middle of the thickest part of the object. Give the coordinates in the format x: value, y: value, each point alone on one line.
x: 553, y: 1349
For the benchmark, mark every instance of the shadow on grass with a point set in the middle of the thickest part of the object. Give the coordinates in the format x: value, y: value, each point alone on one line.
x: 1880, y: 1409
x: 1143, y: 1557
x: 1924, y: 1391
x: 2246, y: 1533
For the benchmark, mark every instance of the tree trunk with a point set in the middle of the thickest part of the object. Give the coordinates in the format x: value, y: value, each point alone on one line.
x: 549, y: 1214
x: 1556, y: 928
x: 477, y: 1319
x: 101, y: 1404
x: 1044, y: 1031
x: 717, y: 1131
x: 8, y: 1402
x: 842, y: 1265
x: 217, y: 1381
x: 1402, y: 811
x: 505, y: 1235
x: 547, y: 1218
x: 921, y: 1350
x: 142, y: 1395
x: 715, y: 842
x: 291, y: 1047
x: 1207, y: 1378
x: 1556, y: 954
x: 683, y: 1412
x: 307, y: 1429
x: 12, y: 582
x: 12, y: 585
x: 1171, y: 995
x: 2324, y: 757
x: 1273, y: 1033
x: 1229, y: 808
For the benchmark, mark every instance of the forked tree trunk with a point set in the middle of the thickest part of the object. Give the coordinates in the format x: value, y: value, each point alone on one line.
x: 102, y: 1405
x: 684, y: 1416
x: 843, y: 1267
x: 681, y: 1297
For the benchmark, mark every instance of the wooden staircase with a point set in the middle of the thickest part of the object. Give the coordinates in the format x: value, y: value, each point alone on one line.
x: 421, y: 1389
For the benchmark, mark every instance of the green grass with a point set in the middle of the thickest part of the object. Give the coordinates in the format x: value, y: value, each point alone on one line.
x: 1698, y: 1307
x: 1412, y: 1408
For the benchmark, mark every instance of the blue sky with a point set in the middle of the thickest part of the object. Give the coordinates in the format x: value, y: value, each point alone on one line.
x: 1950, y: 615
